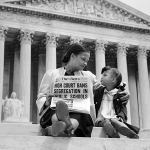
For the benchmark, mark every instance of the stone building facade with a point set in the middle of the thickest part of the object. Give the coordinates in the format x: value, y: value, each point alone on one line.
x: 34, y: 35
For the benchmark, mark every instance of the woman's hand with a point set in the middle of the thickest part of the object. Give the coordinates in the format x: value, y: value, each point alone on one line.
x: 48, y: 99
x: 124, y: 96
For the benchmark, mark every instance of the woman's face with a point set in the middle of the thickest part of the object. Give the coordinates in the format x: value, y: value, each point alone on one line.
x: 80, y: 61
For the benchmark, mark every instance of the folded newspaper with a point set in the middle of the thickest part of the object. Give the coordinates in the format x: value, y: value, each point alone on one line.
x: 74, y: 91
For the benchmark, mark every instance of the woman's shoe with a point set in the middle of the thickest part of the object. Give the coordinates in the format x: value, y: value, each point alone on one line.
x: 62, y: 113
x: 56, y: 129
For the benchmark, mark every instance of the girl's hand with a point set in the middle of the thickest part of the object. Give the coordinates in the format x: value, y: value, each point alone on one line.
x: 48, y: 99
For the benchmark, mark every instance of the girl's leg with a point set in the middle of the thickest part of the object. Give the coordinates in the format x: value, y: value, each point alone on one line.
x: 123, y: 129
x: 109, y: 129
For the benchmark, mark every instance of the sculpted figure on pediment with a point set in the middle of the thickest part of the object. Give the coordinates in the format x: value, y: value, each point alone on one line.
x: 109, y: 13
x: 89, y: 8
x: 99, y: 9
x: 128, y: 18
x: 80, y: 9
x: 59, y: 5
x: 118, y: 16
x: 69, y: 6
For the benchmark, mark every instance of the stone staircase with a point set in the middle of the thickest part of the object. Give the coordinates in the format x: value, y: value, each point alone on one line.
x: 24, y: 136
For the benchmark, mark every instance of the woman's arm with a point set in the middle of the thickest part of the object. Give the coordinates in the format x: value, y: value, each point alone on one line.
x: 124, y: 96
x: 44, y: 89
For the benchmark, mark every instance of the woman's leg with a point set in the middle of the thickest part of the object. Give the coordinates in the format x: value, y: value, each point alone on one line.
x: 74, y: 122
x: 123, y: 129
x: 62, y: 113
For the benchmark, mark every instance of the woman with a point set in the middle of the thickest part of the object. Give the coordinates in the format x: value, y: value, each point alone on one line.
x: 61, y: 120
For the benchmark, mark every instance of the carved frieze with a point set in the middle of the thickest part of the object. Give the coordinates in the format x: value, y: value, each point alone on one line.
x: 24, y: 18
x: 91, y: 8
x: 134, y: 35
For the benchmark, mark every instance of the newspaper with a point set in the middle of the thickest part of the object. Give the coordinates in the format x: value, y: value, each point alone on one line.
x: 74, y: 91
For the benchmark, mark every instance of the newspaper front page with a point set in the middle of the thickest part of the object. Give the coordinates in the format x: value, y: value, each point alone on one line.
x: 74, y: 91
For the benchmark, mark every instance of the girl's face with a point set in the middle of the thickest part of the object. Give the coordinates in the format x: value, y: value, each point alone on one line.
x: 107, y: 79
x: 80, y: 61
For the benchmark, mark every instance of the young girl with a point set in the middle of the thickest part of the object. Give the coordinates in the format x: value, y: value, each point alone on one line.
x: 111, y: 112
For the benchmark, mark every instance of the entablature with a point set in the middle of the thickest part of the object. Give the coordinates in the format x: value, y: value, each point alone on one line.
x: 108, y: 15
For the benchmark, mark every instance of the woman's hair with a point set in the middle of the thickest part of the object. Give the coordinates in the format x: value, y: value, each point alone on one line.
x: 114, y: 72
x: 75, y: 49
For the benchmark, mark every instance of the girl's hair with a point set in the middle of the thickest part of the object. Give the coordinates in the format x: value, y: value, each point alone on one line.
x: 74, y: 48
x: 115, y: 72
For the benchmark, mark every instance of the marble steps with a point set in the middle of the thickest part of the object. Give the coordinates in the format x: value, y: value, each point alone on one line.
x: 33, y: 130
x: 24, y: 136
x: 28, y: 142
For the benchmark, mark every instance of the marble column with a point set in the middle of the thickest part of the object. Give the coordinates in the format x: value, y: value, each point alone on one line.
x: 144, y: 86
x: 25, y: 70
x: 34, y: 87
x: 41, y: 68
x: 16, y: 73
x: 3, y: 32
x: 51, y: 40
x: 122, y: 67
x: 135, y: 120
x: 6, y: 78
x: 100, y: 61
x: 41, y: 72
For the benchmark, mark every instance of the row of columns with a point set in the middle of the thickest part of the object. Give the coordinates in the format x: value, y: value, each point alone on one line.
x: 122, y: 66
x: 24, y: 63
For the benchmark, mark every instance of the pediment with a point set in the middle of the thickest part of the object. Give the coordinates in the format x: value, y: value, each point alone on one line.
x: 107, y: 10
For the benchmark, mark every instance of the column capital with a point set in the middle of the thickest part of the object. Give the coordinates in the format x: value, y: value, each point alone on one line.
x: 142, y: 51
x: 75, y: 39
x: 122, y: 48
x: 51, y: 38
x: 100, y: 45
x: 3, y: 32
x: 26, y: 36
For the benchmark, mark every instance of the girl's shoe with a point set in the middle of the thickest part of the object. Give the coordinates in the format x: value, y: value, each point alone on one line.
x: 127, y: 132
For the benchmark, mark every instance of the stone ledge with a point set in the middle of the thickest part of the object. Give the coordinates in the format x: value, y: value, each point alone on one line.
x: 19, y: 129
x: 74, y: 143
x: 33, y: 129
x: 99, y: 132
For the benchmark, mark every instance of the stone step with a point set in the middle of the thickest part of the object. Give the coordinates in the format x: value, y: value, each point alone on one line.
x: 25, y: 142
x: 33, y: 129
x: 19, y: 129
